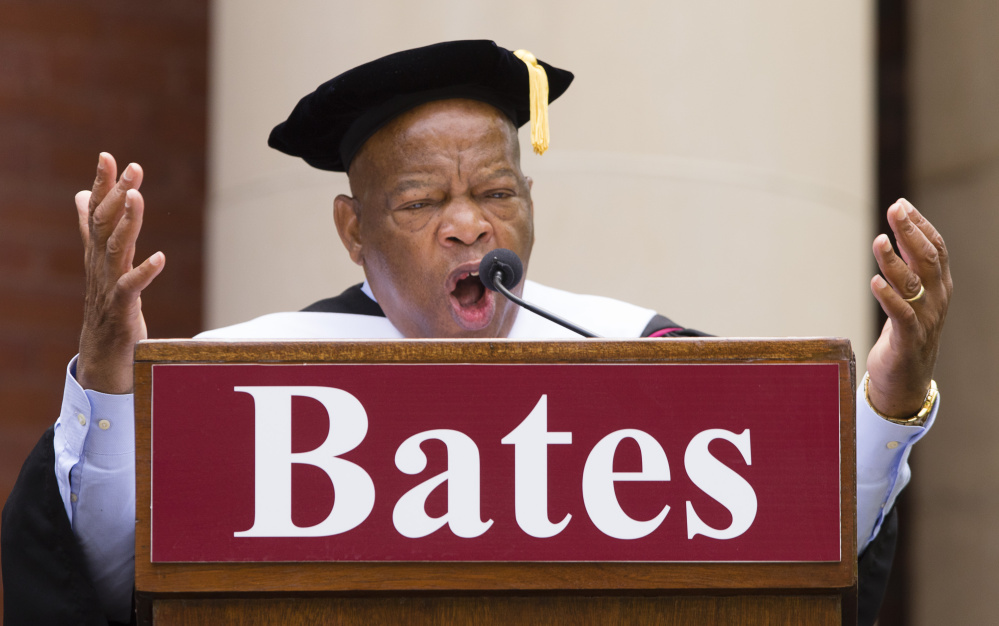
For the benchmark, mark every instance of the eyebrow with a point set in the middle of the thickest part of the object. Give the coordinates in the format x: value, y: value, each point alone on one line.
x: 410, y: 183
x: 504, y: 171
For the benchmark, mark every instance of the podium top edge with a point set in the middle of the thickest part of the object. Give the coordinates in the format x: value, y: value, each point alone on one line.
x: 810, y: 349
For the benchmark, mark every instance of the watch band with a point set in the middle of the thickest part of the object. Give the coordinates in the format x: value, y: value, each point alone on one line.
x: 915, y: 420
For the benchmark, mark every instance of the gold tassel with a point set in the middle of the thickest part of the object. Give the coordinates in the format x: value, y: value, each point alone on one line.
x: 539, y: 101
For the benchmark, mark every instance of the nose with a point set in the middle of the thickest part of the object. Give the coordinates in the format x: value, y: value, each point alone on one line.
x: 464, y: 222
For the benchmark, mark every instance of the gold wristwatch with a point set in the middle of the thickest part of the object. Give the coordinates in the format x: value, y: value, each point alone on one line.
x: 915, y: 420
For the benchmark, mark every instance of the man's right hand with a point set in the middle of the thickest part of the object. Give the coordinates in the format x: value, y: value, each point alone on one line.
x: 110, y: 219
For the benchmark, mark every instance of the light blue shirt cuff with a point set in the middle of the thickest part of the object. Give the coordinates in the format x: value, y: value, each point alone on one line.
x: 883, y: 449
x: 94, y: 447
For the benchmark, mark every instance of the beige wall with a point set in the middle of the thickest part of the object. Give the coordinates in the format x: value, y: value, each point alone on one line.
x: 712, y: 160
x: 955, y: 173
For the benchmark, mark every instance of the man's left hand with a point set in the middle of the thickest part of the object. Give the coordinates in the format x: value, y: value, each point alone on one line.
x: 901, y: 362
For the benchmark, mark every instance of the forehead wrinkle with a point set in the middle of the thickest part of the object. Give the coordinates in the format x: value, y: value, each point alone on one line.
x: 500, y: 168
x: 374, y: 165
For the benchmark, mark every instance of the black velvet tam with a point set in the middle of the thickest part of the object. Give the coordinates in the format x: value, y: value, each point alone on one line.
x: 329, y: 126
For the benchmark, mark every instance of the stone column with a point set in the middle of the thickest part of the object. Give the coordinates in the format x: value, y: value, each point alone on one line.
x: 955, y: 180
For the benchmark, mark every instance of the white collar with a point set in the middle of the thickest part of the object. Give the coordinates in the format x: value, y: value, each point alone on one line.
x: 366, y: 288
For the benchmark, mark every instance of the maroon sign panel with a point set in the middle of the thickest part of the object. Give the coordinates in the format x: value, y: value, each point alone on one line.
x: 435, y: 462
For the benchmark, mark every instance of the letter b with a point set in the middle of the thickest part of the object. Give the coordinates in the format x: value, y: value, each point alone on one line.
x: 355, y: 492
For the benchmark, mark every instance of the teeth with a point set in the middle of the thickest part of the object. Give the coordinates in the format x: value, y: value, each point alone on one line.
x: 474, y: 274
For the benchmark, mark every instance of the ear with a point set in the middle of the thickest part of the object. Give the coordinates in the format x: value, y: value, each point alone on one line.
x: 347, y: 215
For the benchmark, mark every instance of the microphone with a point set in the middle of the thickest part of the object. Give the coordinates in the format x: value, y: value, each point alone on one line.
x: 501, y: 270
x: 504, y: 261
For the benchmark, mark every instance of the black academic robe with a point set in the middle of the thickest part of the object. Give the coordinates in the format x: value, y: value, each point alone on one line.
x: 45, y: 576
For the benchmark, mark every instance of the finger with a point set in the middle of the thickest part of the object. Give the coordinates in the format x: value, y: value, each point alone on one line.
x: 131, y: 284
x: 106, y: 216
x: 902, y: 315
x: 107, y: 170
x: 120, y: 247
x: 916, y: 250
x: 931, y: 233
x: 83, y: 216
x: 898, y: 274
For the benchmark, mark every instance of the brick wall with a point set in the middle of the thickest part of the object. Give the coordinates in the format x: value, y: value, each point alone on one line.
x: 77, y: 78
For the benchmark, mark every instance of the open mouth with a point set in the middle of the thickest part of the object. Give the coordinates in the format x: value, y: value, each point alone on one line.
x: 471, y: 303
x: 469, y: 289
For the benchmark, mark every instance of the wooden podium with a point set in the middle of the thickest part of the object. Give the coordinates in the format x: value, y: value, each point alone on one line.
x: 199, y: 562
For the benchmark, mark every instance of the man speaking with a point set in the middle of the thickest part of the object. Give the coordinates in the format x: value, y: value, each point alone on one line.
x: 428, y: 140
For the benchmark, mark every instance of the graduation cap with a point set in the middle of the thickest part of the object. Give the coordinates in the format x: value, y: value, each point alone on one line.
x: 328, y: 127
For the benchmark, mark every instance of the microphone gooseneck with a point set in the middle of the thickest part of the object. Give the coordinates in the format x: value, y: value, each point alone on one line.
x: 501, y: 270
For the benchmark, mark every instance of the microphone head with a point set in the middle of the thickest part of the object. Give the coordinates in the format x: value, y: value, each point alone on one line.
x: 501, y: 260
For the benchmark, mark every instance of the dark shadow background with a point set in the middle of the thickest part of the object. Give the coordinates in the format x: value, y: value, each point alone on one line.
x: 892, y: 183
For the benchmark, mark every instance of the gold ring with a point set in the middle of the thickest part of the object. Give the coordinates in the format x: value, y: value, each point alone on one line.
x: 922, y: 292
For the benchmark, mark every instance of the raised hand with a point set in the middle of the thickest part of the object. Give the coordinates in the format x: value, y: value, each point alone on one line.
x: 915, y: 298
x: 110, y: 218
